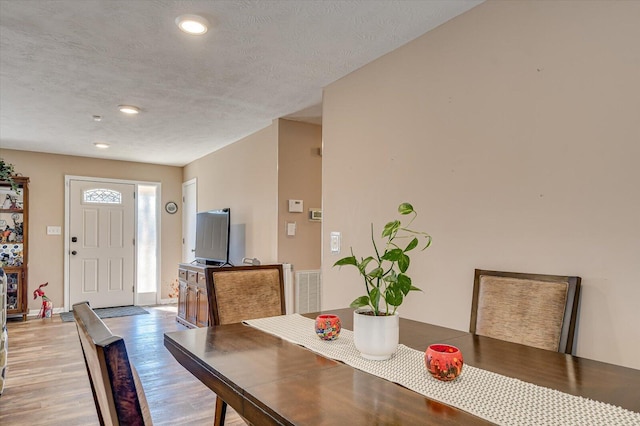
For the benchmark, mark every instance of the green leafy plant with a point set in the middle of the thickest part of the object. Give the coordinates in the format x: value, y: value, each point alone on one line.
x: 7, y: 173
x: 385, y: 274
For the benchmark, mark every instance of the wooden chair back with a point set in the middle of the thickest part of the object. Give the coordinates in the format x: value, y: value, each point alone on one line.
x: 116, y: 387
x: 245, y: 292
x: 238, y: 293
x: 530, y: 309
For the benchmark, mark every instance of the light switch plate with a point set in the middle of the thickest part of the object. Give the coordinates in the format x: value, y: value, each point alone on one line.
x: 335, y: 242
x: 54, y: 230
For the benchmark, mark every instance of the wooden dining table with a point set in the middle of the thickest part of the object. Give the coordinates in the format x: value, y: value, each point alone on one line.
x: 268, y: 380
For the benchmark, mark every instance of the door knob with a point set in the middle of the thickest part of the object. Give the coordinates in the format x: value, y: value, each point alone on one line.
x: 74, y: 239
x: 74, y: 252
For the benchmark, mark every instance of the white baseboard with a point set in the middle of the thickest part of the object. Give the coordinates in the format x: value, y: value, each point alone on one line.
x: 33, y: 313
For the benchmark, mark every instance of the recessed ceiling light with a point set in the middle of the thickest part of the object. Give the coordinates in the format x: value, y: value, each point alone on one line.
x: 97, y: 118
x: 129, y: 109
x: 192, y: 24
x: 101, y: 145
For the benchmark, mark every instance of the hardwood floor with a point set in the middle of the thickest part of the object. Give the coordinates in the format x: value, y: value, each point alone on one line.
x: 47, y: 380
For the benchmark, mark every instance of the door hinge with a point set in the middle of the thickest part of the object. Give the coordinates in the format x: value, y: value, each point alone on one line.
x: 134, y: 241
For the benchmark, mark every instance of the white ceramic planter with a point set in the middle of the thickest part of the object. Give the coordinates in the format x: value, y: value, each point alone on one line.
x: 376, y: 337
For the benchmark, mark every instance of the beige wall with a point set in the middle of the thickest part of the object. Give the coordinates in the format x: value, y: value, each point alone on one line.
x: 513, y: 129
x: 244, y: 177
x: 299, y: 178
x: 46, y: 200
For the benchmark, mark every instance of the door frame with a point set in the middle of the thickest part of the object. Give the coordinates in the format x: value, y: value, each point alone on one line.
x: 67, y: 218
x: 185, y: 218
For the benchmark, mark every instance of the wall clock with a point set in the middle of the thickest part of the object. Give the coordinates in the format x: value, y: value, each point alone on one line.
x: 171, y: 207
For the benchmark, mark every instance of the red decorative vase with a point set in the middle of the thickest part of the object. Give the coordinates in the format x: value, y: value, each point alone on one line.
x: 444, y: 362
x: 328, y: 326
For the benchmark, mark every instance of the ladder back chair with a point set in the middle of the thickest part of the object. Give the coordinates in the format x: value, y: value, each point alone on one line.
x: 116, y: 387
x: 240, y: 293
x: 531, y: 309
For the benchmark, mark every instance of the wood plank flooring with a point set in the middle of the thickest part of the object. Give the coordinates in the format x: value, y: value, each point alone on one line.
x: 47, y: 380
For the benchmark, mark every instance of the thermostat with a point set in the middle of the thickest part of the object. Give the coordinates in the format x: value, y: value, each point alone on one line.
x: 295, y: 206
x: 315, y: 214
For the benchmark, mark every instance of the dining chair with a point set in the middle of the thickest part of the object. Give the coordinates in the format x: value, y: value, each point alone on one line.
x: 240, y: 293
x: 115, y: 385
x: 531, y: 309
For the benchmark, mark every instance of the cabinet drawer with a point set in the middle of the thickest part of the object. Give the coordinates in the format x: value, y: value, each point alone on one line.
x: 202, y: 279
x: 192, y: 277
x: 182, y: 274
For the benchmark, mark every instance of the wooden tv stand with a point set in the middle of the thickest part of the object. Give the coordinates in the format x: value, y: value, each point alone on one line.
x: 193, y: 306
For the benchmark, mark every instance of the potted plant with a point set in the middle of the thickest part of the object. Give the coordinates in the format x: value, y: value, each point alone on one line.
x: 375, y: 319
x: 7, y: 173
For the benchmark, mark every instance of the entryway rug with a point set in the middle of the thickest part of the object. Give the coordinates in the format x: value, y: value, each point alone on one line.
x: 119, y: 311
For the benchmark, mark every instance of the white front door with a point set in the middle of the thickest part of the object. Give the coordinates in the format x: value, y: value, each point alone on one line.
x: 101, y: 232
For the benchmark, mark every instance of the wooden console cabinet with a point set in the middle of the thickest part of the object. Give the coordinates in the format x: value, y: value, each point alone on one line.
x: 193, y: 306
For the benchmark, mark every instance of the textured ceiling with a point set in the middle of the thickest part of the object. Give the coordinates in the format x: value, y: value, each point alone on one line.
x: 61, y: 62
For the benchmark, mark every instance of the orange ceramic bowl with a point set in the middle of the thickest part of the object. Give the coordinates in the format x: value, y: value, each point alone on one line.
x: 328, y: 326
x: 444, y: 362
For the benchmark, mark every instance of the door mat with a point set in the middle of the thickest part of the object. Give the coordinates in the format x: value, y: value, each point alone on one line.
x: 119, y: 311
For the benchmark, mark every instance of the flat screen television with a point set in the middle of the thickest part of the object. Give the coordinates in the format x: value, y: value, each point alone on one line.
x: 212, y: 237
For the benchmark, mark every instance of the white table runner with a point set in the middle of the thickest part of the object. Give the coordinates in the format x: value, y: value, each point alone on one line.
x: 491, y: 396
